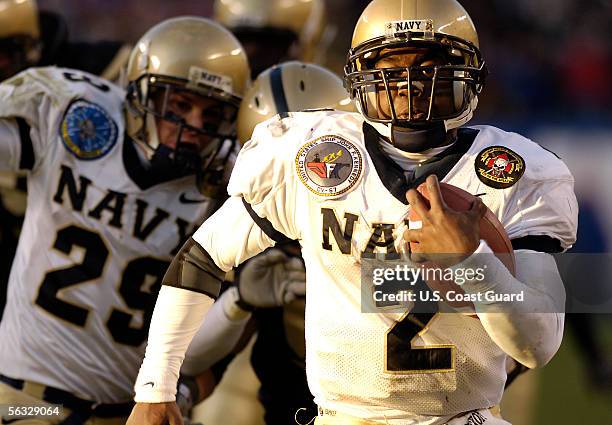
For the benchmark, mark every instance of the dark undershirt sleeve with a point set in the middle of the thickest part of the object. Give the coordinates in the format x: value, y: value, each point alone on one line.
x: 193, y: 269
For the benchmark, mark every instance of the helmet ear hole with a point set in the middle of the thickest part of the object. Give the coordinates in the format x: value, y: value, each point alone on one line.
x: 302, y: 85
x: 257, y: 103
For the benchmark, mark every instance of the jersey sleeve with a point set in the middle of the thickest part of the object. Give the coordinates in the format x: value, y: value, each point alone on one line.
x: 264, y: 177
x: 260, y: 210
x: 230, y: 236
x: 29, y: 103
x: 543, y: 204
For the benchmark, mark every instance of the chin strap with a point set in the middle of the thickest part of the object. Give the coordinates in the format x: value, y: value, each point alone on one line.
x: 414, y: 141
x: 168, y: 163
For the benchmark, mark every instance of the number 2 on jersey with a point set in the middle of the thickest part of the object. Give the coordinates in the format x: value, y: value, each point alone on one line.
x: 91, y: 268
x: 402, y: 358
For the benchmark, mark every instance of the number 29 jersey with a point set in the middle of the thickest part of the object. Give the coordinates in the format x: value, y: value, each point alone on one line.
x: 97, y: 238
x: 321, y: 178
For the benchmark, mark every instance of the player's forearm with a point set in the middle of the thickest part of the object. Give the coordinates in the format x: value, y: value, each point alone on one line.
x: 196, y: 273
x: 177, y: 316
x: 190, y: 285
x: 218, y: 336
x: 529, y: 330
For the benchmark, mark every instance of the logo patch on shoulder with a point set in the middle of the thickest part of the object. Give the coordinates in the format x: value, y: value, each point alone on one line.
x: 329, y: 165
x: 87, y: 130
x: 499, y: 167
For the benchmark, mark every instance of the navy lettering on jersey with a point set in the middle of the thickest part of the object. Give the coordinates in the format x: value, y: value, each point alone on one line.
x: 141, y: 232
x: 343, y: 238
x: 382, y: 237
x: 113, y: 202
x: 77, y: 196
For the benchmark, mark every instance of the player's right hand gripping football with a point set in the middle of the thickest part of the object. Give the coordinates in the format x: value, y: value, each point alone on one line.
x: 272, y: 279
x: 453, y: 234
x: 155, y: 414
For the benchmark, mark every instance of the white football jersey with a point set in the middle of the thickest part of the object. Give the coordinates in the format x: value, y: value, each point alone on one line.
x: 96, y: 240
x: 313, y: 177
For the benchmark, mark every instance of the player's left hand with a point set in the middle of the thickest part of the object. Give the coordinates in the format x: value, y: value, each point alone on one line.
x: 443, y: 231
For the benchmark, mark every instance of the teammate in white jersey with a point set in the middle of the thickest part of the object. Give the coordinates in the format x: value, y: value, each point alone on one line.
x: 117, y: 181
x: 32, y: 37
x: 343, y: 184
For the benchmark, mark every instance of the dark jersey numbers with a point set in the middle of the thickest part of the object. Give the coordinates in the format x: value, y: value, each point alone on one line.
x: 139, y: 285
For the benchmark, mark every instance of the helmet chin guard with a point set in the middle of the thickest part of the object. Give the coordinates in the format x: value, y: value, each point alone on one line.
x: 415, y: 141
x: 411, y: 140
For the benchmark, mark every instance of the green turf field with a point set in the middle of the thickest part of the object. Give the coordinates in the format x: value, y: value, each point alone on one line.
x: 564, y: 395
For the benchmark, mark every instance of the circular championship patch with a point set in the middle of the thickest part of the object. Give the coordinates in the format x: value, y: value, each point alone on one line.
x: 87, y: 130
x: 499, y: 167
x: 329, y: 165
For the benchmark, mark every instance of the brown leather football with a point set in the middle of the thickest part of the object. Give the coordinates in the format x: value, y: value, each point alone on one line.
x: 491, y: 230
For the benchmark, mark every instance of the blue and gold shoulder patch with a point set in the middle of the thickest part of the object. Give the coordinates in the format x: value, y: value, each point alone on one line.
x: 87, y: 130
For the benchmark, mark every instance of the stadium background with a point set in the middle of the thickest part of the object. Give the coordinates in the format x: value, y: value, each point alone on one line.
x: 550, y: 64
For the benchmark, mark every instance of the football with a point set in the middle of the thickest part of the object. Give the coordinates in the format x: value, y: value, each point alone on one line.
x: 491, y: 230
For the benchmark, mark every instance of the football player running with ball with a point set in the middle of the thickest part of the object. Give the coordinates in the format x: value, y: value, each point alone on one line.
x: 116, y: 182
x: 342, y: 184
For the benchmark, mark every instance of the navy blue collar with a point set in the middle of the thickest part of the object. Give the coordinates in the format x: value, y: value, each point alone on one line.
x: 143, y: 177
x: 392, y: 175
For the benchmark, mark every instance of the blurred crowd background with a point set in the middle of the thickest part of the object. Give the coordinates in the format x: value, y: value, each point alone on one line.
x: 549, y: 59
x: 550, y: 65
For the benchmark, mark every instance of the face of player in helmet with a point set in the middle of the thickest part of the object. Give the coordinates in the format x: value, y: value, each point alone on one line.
x: 190, y: 129
x: 184, y: 116
x: 411, y: 85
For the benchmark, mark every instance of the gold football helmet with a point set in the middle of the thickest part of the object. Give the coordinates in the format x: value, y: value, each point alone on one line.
x: 274, y: 30
x: 290, y: 87
x: 442, y: 78
x: 185, y: 54
x: 20, y: 45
